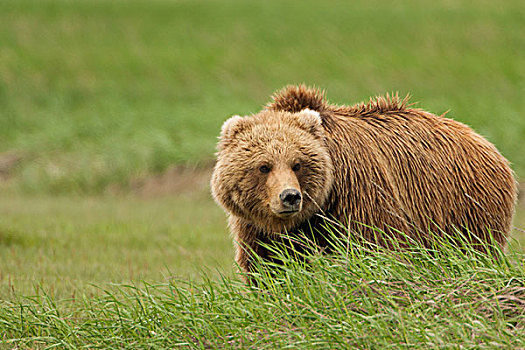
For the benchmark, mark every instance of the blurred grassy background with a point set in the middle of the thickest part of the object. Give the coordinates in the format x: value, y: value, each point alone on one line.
x: 95, y: 94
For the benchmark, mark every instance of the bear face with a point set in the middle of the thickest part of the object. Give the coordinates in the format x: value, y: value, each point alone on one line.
x: 273, y: 169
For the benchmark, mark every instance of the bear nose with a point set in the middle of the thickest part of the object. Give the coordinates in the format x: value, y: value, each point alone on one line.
x: 290, y: 197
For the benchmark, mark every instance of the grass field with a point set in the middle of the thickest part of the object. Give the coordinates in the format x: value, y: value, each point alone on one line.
x: 93, y: 93
x: 64, y: 244
x: 99, y: 100
x: 359, y: 298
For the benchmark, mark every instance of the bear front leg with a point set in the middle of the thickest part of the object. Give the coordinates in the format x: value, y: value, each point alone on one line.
x: 246, y: 238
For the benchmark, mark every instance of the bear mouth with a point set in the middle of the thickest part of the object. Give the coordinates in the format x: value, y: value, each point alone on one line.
x: 287, y: 213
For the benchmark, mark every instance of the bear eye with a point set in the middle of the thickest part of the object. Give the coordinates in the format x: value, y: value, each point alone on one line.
x: 296, y: 167
x: 264, y: 169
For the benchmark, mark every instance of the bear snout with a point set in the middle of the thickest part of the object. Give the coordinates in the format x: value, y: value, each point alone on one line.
x: 291, y: 201
x: 290, y: 197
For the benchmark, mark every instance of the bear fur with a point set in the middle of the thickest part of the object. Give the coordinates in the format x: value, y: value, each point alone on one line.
x: 383, y: 164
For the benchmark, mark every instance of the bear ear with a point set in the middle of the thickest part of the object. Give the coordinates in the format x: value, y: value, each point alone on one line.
x: 309, y: 120
x: 231, y: 126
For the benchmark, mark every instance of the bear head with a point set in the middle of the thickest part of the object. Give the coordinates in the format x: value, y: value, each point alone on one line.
x: 273, y: 169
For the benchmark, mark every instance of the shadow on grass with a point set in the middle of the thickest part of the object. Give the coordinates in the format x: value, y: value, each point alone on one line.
x: 11, y: 237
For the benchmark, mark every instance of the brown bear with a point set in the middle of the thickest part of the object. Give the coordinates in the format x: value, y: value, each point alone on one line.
x: 373, y: 165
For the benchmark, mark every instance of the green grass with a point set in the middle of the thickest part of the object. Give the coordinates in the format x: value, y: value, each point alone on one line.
x: 64, y: 245
x: 95, y: 93
x: 358, y: 298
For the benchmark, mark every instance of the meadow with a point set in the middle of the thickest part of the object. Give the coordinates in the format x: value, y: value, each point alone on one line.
x: 109, y: 113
